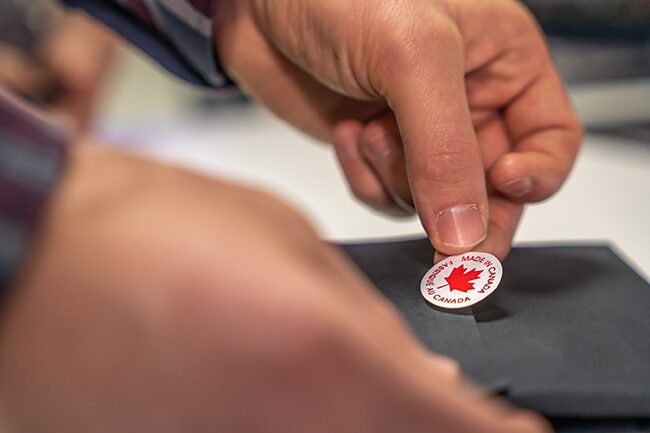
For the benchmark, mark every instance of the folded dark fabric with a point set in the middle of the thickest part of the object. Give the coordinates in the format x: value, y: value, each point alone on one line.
x: 566, y: 334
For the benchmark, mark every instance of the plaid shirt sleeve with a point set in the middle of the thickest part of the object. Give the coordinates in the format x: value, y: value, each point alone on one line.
x: 178, y: 34
x: 32, y: 155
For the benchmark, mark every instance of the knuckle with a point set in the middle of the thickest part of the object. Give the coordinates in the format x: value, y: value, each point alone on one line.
x: 393, y: 320
x: 416, y: 32
x: 374, y: 133
x: 518, y: 20
x: 447, y: 163
x: 450, y: 368
x: 577, y: 136
x: 509, y: 168
x: 454, y: 370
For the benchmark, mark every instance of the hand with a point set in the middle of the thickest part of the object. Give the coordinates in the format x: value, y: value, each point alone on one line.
x: 66, y: 70
x: 158, y: 300
x: 423, y: 99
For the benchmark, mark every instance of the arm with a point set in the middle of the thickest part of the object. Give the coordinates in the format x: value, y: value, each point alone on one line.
x: 431, y: 108
x: 159, y: 300
x: 135, y: 316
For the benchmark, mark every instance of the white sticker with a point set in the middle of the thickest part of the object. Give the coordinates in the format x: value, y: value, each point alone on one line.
x: 462, y: 281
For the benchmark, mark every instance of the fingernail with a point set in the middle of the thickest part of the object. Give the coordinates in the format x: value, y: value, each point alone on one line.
x: 461, y: 226
x: 378, y: 147
x: 519, y: 187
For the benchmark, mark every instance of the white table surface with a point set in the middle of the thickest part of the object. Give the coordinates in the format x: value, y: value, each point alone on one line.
x: 607, y: 198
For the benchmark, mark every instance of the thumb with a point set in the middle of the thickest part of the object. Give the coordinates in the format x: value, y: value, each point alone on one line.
x: 444, y: 163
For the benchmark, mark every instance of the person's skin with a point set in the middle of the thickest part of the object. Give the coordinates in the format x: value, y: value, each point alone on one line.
x: 157, y: 300
x: 452, y: 105
x: 66, y: 72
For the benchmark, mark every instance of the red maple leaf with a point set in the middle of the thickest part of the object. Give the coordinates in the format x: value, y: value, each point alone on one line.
x: 460, y: 279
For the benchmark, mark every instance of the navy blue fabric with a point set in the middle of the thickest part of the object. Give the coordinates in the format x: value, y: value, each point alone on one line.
x: 151, y: 42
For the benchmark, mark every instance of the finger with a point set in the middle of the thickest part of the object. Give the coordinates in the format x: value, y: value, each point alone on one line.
x: 504, y: 220
x: 546, y: 136
x: 493, y: 141
x: 363, y: 181
x: 505, y: 214
x: 22, y: 74
x: 479, y: 414
x: 444, y: 162
x: 381, y: 146
x: 438, y: 257
x: 79, y: 53
x: 445, y: 369
x: 295, y: 95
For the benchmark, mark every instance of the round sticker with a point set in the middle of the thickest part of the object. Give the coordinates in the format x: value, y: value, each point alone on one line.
x: 462, y: 281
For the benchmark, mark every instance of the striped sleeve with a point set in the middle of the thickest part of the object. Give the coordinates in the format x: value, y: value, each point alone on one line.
x: 178, y: 34
x: 33, y: 151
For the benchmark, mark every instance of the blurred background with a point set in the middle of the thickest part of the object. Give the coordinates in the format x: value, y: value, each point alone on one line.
x: 602, y: 48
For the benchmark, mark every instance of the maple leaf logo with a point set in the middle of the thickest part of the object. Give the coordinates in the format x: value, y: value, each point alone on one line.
x: 461, y: 279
